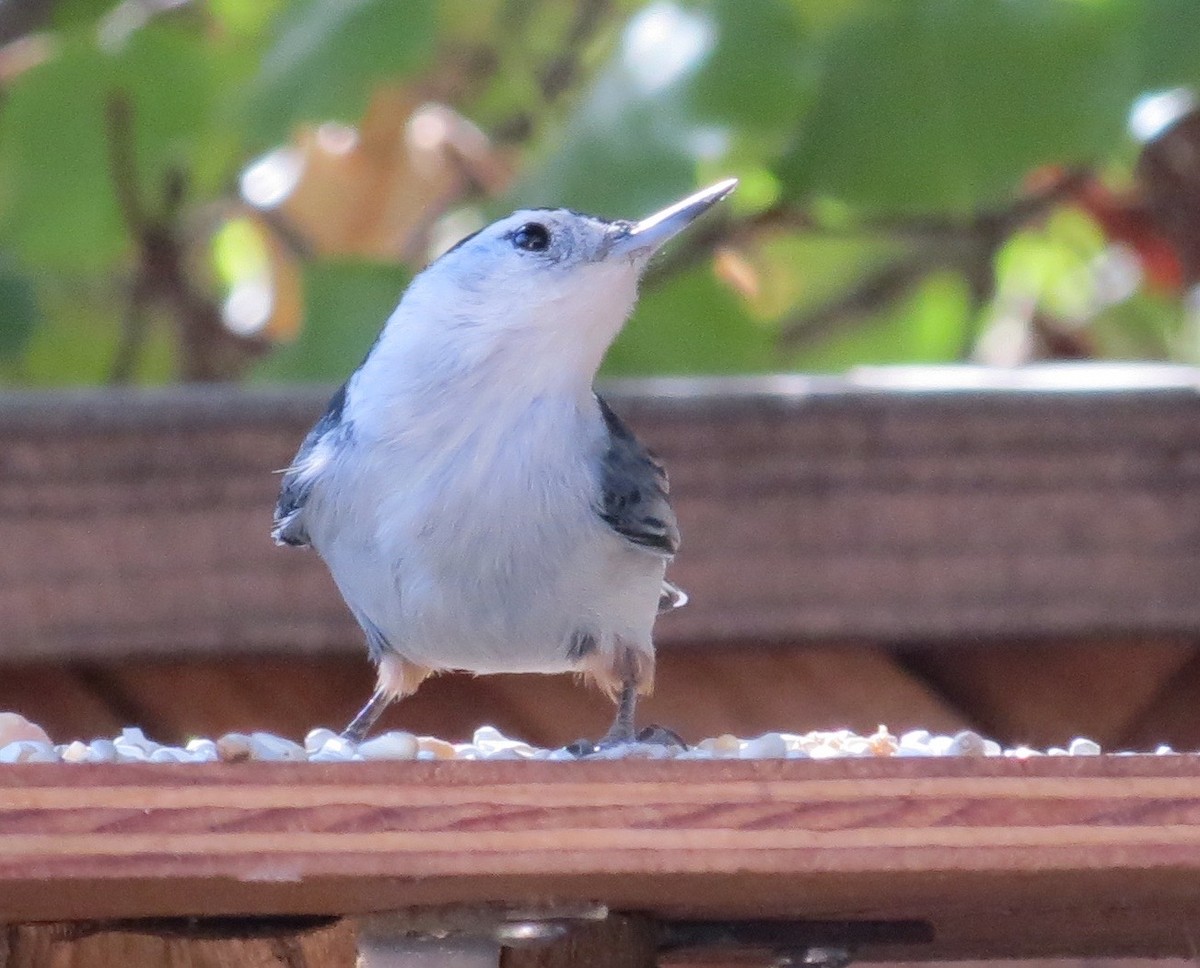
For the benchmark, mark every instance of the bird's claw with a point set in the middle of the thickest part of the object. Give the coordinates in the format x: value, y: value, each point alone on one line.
x: 653, y: 735
x: 656, y: 735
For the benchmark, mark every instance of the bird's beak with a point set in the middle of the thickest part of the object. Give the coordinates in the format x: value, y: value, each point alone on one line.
x: 642, y: 239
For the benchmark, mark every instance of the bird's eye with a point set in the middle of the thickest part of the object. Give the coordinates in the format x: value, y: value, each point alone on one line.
x: 532, y: 237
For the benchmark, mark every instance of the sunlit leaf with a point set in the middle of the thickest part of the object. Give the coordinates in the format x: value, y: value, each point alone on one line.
x: 239, y: 251
x: 241, y: 17
x: 1050, y: 264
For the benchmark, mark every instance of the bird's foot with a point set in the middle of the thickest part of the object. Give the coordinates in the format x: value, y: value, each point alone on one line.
x: 654, y: 735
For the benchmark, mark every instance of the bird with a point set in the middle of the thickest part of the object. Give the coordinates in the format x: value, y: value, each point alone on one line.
x: 479, y: 506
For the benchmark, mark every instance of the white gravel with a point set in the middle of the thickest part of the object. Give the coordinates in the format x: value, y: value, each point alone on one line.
x: 325, y: 746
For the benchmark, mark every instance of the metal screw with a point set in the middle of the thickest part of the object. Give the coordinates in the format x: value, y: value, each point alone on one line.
x: 520, y: 934
x: 817, y: 956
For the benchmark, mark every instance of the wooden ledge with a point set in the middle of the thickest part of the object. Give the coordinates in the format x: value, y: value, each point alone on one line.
x: 1042, y: 857
x: 945, y: 504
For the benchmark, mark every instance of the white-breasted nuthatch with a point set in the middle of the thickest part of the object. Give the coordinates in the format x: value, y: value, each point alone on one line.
x: 479, y: 507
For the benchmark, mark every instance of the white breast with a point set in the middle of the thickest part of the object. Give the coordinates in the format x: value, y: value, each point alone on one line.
x: 480, y: 549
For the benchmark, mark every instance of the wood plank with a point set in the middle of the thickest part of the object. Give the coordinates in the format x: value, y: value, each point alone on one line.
x: 1045, y: 694
x: 616, y: 942
x: 1042, y: 502
x: 63, y: 699
x: 1055, y: 856
x: 178, y: 946
x: 1173, y: 717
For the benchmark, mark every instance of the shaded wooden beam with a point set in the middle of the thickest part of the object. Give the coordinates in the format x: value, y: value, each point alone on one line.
x: 1045, y: 502
x: 1174, y: 715
x: 1080, y: 856
x: 1047, y: 693
x: 61, y: 698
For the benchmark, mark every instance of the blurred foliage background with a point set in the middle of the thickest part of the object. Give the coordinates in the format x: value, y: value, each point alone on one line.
x: 220, y: 189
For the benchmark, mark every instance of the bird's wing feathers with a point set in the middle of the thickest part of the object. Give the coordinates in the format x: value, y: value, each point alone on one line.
x: 298, y: 480
x: 633, y: 499
x: 289, y: 527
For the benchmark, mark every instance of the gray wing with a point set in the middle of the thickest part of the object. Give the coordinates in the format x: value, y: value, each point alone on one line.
x: 289, y: 527
x: 634, y: 498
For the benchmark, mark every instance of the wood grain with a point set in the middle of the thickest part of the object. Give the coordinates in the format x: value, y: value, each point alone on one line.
x: 1047, y: 693
x: 1082, y: 856
x: 1028, y: 505
x: 152, y: 946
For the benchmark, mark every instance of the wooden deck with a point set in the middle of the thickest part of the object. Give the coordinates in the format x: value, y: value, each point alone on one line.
x: 946, y: 858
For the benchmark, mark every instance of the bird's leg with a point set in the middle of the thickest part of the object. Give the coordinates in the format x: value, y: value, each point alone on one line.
x: 624, y: 675
x: 622, y: 730
x: 361, y: 724
x: 627, y: 673
x: 397, y: 678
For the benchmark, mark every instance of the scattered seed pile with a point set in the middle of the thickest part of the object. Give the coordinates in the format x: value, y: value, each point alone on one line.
x: 25, y: 742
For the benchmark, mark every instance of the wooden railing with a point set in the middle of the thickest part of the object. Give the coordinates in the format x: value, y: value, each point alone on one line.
x: 991, y: 505
x: 897, y: 859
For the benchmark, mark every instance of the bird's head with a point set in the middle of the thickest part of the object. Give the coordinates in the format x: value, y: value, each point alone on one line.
x: 543, y: 286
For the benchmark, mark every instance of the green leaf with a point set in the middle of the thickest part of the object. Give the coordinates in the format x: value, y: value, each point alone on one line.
x: 929, y: 105
x: 1166, y: 39
x: 61, y: 205
x: 1146, y: 326
x: 687, y: 87
x: 346, y: 305
x: 18, y: 310
x: 244, y: 18
x: 73, y: 13
x: 690, y: 324
x: 621, y: 155
x: 631, y: 145
x: 930, y: 326
x: 328, y: 54
x: 76, y: 342
x: 758, y: 73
